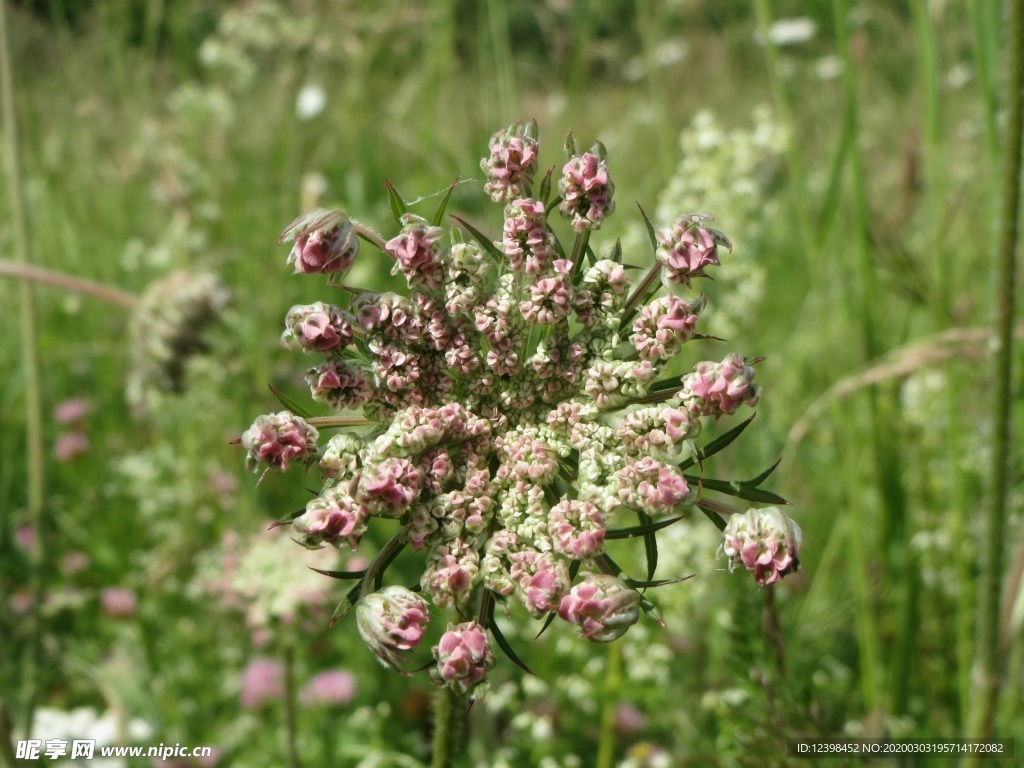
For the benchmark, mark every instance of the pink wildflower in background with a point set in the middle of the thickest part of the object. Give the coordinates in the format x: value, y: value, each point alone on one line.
x: 118, y: 602
x: 72, y: 410
x: 332, y: 688
x: 70, y: 445
x: 262, y: 682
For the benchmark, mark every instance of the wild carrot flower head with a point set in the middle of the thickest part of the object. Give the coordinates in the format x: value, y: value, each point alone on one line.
x: 765, y: 542
x: 512, y: 411
x: 512, y: 161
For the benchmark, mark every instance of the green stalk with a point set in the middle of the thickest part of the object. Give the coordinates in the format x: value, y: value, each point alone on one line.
x: 445, y: 721
x: 988, y: 660
x: 291, y: 735
x: 984, y: 15
x: 883, y: 440
x: 928, y: 76
x: 797, y: 173
x: 30, y: 368
x: 612, y: 683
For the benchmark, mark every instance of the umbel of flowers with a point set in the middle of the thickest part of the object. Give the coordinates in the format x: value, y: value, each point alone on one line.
x: 512, y: 412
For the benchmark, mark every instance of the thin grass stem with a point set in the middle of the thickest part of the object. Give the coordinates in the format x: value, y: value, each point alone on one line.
x: 988, y: 660
x: 30, y: 375
x: 27, y: 272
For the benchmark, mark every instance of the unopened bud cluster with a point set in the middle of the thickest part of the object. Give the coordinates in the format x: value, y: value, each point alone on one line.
x: 513, y: 408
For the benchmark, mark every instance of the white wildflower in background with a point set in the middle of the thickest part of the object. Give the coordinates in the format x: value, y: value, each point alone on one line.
x: 310, y: 101
x: 732, y: 172
x: 792, y: 31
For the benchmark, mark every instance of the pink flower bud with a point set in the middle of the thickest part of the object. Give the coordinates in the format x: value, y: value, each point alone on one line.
x: 687, y: 247
x: 576, y: 529
x: 278, y: 439
x: 325, y: 242
x: 716, y: 388
x: 586, y: 191
x: 765, y: 541
x: 317, y: 327
x: 526, y: 239
x: 511, y: 163
x: 392, y: 622
x: 333, y: 518
x: 463, y: 657
x: 603, y: 607
x: 654, y: 487
x: 418, y: 252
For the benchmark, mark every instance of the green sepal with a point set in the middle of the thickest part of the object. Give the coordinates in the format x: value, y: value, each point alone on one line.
x: 571, y: 146
x: 713, y: 516
x: 650, y: 229
x: 346, y: 605
x: 290, y: 404
x: 741, y: 489
x: 650, y: 544
x: 719, y: 443
x: 652, y: 611
x: 287, y: 519
x: 346, y: 575
x: 574, y: 569
x: 615, y: 254
x: 398, y: 206
x: 488, y: 245
x: 438, y: 216
x: 636, y: 584
x: 503, y: 643
x: 639, y: 530
x: 545, y: 187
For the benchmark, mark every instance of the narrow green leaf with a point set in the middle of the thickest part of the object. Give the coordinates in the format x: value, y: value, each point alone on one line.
x: 713, y: 516
x: 652, y: 610
x: 650, y: 544
x: 635, y: 584
x: 346, y: 605
x: 438, y: 216
x: 398, y: 206
x: 650, y: 229
x: 340, y: 574
x: 504, y: 644
x: 739, y: 490
x: 480, y: 237
x: 756, y: 481
x: 287, y: 519
x: 718, y: 444
x: 607, y: 565
x: 639, y: 530
x: 616, y: 252
x: 290, y: 404
x: 545, y: 187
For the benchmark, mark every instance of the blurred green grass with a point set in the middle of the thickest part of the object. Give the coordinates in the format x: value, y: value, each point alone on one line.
x: 169, y: 139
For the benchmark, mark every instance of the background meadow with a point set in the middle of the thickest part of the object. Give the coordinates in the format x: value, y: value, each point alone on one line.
x: 851, y: 152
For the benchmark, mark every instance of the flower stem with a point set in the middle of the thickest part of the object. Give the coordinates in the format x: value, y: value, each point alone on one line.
x: 612, y: 681
x: 445, y: 726
x: 31, y: 379
x: 27, y: 272
x: 290, y: 701
x: 988, y: 659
